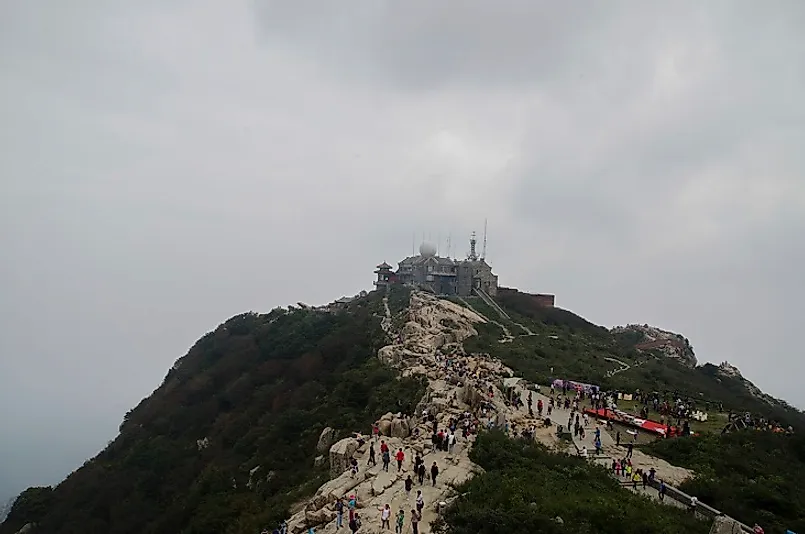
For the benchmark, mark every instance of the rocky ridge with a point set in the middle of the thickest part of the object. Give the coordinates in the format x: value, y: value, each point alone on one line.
x: 727, y: 370
x: 434, y: 331
x: 429, y: 344
x: 670, y: 344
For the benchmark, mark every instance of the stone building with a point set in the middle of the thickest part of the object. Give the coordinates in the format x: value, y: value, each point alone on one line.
x: 441, y: 275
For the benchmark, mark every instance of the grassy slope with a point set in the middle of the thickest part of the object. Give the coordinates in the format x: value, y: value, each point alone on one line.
x: 260, y: 388
x: 525, y: 488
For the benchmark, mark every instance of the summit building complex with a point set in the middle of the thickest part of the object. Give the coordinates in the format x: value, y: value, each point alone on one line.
x: 442, y: 275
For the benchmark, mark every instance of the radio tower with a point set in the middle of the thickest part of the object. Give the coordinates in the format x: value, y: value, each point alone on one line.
x: 473, y: 256
x: 483, y: 250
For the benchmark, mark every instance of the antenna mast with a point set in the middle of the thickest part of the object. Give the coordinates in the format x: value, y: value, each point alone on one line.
x: 483, y: 251
x: 413, y: 244
x: 448, y: 245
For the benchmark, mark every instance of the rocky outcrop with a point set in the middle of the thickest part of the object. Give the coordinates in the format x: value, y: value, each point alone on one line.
x: 326, y: 439
x: 340, y: 454
x: 428, y: 344
x: 434, y: 327
x: 729, y: 371
x: 726, y: 525
x: 669, y: 344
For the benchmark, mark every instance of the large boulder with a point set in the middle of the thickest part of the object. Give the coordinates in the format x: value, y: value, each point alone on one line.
x: 384, y: 427
x: 326, y: 440
x: 471, y: 396
x: 390, y: 354
x: 340, y: 454
x: 400, y: 427
x: 724, y: 525
x: 327, y: 494
x: 319, y: 517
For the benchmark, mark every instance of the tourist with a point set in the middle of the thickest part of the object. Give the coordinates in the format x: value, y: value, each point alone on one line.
x: 372, y: 460
x: 385, y: 516
x: 400, y: 521
x: 386, y: 460
x: 339, y: 513
x: 415, y: 517
x: 409, y: 484
x: 420, y: 501
x: 434, y: 472
x: 355, y: 523
x: 400, y: 456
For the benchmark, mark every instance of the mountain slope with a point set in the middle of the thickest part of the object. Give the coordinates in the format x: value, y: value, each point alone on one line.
x: 248, y: 401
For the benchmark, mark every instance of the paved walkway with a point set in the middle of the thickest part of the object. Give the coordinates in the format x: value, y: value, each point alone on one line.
x: 560, y: 416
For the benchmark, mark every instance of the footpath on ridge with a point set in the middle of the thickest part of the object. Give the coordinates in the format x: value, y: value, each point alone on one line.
x: 430, y: 344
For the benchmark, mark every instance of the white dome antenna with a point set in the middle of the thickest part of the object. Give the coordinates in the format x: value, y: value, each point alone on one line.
x: 427, y: 249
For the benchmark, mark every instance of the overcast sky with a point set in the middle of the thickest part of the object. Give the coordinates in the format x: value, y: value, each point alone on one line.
x: 165, y: 165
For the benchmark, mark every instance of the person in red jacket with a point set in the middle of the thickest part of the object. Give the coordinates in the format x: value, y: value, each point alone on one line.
x: 400, y: 456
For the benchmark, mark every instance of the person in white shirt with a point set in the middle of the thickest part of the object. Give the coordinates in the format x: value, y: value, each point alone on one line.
x: 385, y: 517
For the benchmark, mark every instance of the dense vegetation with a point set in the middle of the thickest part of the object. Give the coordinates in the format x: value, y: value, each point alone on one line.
x: 754, y: 476
x: 260, y: 389
x: 526, y: 488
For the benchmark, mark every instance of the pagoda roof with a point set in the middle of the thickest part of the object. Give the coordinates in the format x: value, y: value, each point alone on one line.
x: 384, y: 265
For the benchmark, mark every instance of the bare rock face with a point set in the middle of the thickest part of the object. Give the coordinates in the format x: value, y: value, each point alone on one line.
x: 390, y: 355
x: 327, y: 494
x: 319, y: 461
x: 326, y: 439
x: 652, y: 338
x: 383, y: 481
x: 400, y: 427
x: 340, y: 454
x: 725, y: 525
x: 471, y: 396
x: 317, y: 517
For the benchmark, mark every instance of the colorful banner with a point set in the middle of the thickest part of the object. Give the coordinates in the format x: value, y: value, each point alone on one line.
x: 577, y: 386
x: 629, y: 419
